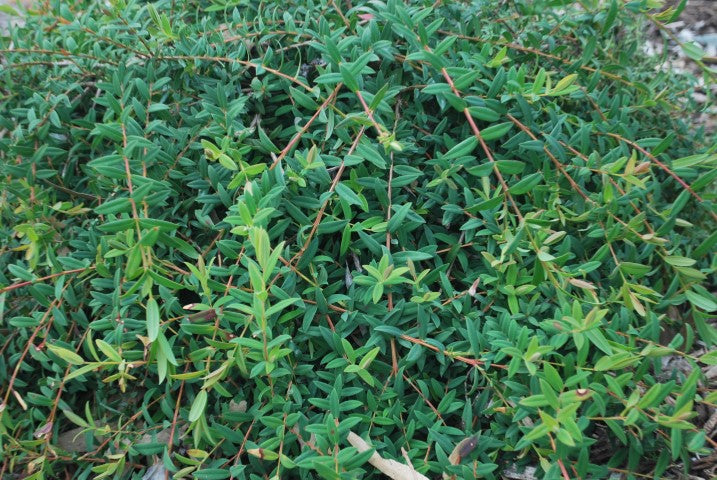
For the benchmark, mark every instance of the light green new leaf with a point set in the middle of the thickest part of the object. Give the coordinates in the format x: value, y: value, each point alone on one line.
x: 67, y: 355
x: 198, y: 406
x: 152, y: 319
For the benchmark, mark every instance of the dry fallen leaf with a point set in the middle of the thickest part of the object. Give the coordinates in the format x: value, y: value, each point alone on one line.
x: 44, y: 430
x: 462, y: 450
x: 237, y: 407
x: 73, y: 440
x: 155, y: 472
x: 390, y: 468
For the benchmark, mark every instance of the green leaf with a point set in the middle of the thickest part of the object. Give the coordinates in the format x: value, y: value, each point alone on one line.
x: 281, y: 305
x: 128, y: 223
x: 705, y: 246
x: 495, y: 131
x: 637, y: 269
x: 437, y: 88
x: 539, y: 82
x: 700, y: 301
x: 255, y: 277
x: 266, y: 141
x: 534, y: 401
x: 74, y: 418
x: 347, y: 194
x: 398, y: 217
x: 510, y: 167
x: 676, y: 13
x: 462, y: 149
x: 486, y: 204
x: 526, y: 184
x: 697, y: 441
x: 499, y: 59
x: 152, y: 319
x: 67, y: 355
x: 610, y: 17
x: 82, y: 370
x: 693, y: 50
x: 227, y: 162
x: 260, y: 241
x: 198, y: 406
x: 563, y: 84
x: 108, y: 350
x: 678, y: 261
x: 484, y: 113
x: 709, y: 358
x: 379, y: 97
x: 598, y: 339
x: 466, y: 80
x: 368, y: 358
x: 118, y: 205
x: 110, y: 131
x: 165, y: 348
x: 8, y: 10
x: 303, y: 99
x: 212, y: 474
x: 332, y: 49
x: 366, y: 377
x: 537, y: 432
x: 349, y: 78
x: 616, y: 362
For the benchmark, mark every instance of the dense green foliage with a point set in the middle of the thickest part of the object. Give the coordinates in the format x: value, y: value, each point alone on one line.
x: 419, y: 223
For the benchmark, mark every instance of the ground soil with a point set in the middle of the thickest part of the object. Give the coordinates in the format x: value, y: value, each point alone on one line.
x: 697, y: 23
x: 7, y: 21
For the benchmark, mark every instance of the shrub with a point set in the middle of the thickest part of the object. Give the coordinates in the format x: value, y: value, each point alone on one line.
x: 234, y: 232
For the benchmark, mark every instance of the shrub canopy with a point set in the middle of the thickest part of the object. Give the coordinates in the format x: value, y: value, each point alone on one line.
x: 233, y: 232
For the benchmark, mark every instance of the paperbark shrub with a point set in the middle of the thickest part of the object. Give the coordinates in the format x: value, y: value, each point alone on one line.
x: 235, y: 231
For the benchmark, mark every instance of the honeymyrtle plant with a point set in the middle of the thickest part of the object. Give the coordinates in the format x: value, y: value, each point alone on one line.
x: 238, y: 234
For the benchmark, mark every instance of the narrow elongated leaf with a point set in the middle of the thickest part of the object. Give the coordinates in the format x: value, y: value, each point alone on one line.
x: 701, y: 301
x: 495, y: 131
x: 461, y: 149
x: 526, y: 184
x: 398, y: 217
x: 152, y: 319
x: 347, y: 194
x: 198, y: 406
x: 67, y: 355
x: 108, y: 350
